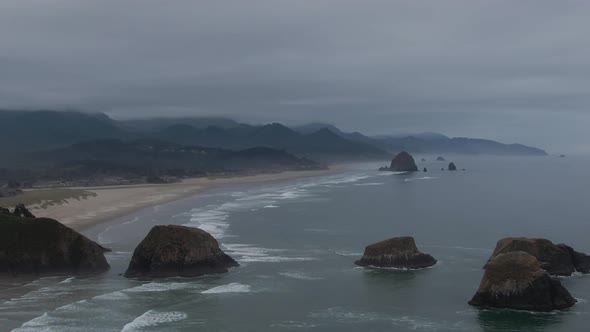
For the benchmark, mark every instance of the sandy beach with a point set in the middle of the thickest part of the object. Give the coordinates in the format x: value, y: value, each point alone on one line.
x: 110, y: 202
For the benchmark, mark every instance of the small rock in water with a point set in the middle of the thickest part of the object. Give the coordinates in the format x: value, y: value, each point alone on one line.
x: 452, y: 166
x: 397, y: 252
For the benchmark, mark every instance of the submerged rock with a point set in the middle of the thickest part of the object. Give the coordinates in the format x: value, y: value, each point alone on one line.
x: 397, y: 252
x: 556, y: 259
x: 403, y: 162
x: 169, y: 251
x: 515, y: 280
x: 45, y: 247
x: 452, y: 166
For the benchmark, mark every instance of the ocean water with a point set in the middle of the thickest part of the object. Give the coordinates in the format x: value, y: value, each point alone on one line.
x: 297, y: 242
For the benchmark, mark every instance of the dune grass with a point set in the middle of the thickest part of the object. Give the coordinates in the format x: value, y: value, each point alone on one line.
x: 42, y: 198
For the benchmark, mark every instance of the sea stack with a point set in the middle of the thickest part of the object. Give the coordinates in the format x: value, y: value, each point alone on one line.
x: 515, y: 280
x: 32, y: 246
x: 397, y: 252
x: 452, y: 166
x: 440, y: 158
x: 556, y: 259
x: 169, y: 251
x: 403, y: 162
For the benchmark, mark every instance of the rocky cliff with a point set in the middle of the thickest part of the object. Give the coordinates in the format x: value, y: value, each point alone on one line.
x: 45, y: 247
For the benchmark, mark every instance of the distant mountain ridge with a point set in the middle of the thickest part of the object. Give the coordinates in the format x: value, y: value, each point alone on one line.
x: 42, y: 130
x: 95, y: 162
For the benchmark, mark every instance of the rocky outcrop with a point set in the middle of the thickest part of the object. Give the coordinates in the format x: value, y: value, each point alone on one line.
x: 440, y: 158
x: 452, y: 166
x: 45, y: 247
x: 515, y: 280
x: 556, y: 259
x: 403, y: 162
x: 19, y: 211
x: 425, y: 170
x: 169, y: 251
x: 397, y: 252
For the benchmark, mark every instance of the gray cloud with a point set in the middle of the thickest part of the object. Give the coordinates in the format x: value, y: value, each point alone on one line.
x: 509, y: 70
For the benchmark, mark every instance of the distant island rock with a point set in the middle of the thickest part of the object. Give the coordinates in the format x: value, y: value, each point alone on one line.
x: 169, y: 251
x: 452, y: 166
x: 440, y: 158
x: 423, y: 160
x: 515, y: 280
x: 402, y: 162
x: 397, y: 252
x: 45, y: 247
x: 556, y: 259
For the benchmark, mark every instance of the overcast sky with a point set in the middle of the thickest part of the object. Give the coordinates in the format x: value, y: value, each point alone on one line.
x: 506, y: 70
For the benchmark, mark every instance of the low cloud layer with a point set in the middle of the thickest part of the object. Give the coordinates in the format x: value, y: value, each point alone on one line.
x: 508, y: 70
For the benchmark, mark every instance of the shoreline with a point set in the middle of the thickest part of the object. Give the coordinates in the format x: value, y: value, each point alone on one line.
x: 111, y: 202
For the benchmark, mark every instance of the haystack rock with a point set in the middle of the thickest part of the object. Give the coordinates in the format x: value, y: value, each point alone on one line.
x: 452, y: 166
x: 403, y: 162
x: 45, y: 247
x: 397, y: 252
x: 169, y: 251
x: 556, y: 259
x: 515, y: 280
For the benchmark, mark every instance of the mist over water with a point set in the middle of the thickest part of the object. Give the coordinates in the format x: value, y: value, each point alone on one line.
x: 297, y: 241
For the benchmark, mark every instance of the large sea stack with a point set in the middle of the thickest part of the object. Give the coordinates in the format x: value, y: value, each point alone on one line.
x: 403, y: 162
x: 515, y: 280
x: 397, y: 252
x: 556, y: 259
x: 45, y: 247
x: 169, y: 251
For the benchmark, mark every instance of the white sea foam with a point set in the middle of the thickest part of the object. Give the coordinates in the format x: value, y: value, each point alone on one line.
x: 154, y: 318
x: 246, y: 253
x: 159, y: 287
x: 72, y: 306
x: 68, y: 280
x: 41, y: 321
x: 343, y: 180
x: 348, y: 253
x: 229, y: 288
x: 299, y: 275
x: 271, y: 206
x: 421, y: 178
x: 131, y: 221
x: 275, y: 259
x: 370, y: 184
x: 114, y: 296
